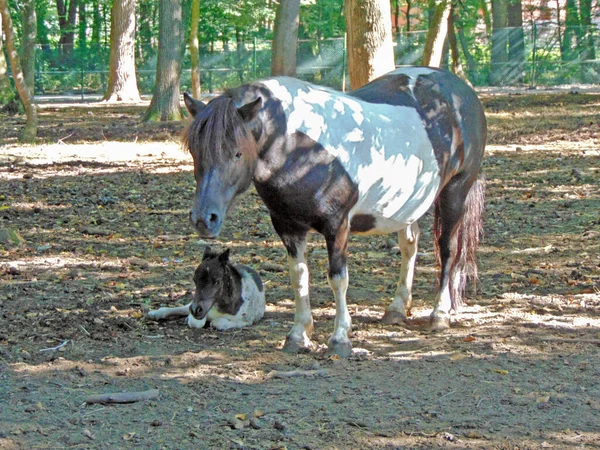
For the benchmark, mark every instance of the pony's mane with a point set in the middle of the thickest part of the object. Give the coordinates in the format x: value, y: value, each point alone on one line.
x: 217, y: 132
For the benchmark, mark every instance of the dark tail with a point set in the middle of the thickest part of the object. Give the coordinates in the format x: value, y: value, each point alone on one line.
x: 468, y: 234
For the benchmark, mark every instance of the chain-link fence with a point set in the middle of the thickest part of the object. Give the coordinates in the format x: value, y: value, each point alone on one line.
x: 536, y: 55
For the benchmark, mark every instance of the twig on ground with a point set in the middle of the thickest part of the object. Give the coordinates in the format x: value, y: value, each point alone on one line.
x: 297, y: 373
x: 62, y: 140
x: 570, y: 340
x: 84, y: 330
x: 123, y: 397
x: 52, y: 349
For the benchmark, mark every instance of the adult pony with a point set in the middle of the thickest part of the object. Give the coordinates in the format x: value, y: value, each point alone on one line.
x: 370, y: 161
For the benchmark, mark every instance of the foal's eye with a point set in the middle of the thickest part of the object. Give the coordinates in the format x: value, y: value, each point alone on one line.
x: 238, y: 156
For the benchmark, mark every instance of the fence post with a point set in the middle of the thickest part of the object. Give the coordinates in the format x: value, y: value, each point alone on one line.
x: 533, y: 55
x: 344, y: 65
x: 82, y: 77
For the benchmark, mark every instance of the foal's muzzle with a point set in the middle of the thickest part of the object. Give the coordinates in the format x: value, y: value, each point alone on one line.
x: 197, y: 311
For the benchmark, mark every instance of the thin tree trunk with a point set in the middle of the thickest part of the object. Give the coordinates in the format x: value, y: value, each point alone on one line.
x: 195, y: 49
x: 369, y: 40
x: 122, y: 82
x: 471, y: 63
x: 6, y: 91
x: 30, y: 130
x: 67, y: 13
x: 165, y: 101
x: 285, y: 38
x: 457, y: 66
x: 28, y: 42
x: 433, y: 52
x: 570, y: 36
x: 487, y: 17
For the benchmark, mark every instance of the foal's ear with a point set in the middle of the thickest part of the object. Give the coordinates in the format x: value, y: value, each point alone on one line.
x: 224, y: 257
x: 193, y: 106
x: 208, y: 253
x: 250, y: 110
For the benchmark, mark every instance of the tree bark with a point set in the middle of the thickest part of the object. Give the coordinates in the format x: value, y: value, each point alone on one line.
x: 30, y: 130
x: 285, y: 38
x: 369, y: 40
x: 570, y: 35
x: 433, y: 52
x: 457, y: 66
x: 165, y: 100
x: 195, y: 49
x: 28, y: 42
x: 122, y: 82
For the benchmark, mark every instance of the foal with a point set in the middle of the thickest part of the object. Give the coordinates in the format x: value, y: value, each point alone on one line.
x: 227, y: 295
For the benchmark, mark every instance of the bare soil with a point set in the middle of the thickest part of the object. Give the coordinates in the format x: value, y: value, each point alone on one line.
x: 101, y: 207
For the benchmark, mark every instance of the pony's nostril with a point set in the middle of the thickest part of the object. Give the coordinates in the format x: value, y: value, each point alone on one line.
x: 213, y: 218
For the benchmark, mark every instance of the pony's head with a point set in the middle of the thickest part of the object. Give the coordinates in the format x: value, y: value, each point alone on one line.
x: 210, y: 278
x: 224, y: 152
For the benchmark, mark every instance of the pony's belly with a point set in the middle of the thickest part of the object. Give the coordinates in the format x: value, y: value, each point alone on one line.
x: 377, y: 214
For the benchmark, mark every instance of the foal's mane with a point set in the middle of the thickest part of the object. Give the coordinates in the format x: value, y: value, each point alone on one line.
x: 218, y: 132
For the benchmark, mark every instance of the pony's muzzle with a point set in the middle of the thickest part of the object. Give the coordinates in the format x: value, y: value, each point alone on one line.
x: 207, y: 224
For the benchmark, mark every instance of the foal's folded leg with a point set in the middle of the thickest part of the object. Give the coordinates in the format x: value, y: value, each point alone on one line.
x: 165, y: 313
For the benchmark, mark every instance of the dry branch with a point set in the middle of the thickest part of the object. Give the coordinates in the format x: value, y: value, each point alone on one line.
x: 123, y: 397
x: 297, y: 373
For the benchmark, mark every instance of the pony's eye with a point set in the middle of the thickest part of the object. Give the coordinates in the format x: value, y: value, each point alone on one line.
x: 238, y: 156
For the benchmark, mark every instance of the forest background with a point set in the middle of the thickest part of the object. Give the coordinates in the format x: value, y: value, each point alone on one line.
x: 499, y: 42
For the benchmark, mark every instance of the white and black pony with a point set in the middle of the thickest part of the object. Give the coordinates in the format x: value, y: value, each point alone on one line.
x: 370, y: 161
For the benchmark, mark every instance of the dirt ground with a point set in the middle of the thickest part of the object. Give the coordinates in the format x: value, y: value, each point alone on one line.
x: 101, y: 208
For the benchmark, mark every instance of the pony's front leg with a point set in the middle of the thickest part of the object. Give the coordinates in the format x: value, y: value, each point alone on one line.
x: 298, y: 339
x: 408, y: 240
x: 339, y: 343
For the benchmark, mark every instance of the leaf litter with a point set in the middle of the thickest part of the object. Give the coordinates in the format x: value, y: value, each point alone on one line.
x: 103, y: 237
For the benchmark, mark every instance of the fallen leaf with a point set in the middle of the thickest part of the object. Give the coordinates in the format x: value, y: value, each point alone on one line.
x: 241, y: 416
x: 469, y: 339
x: 543, y: 399
x: 128, y: 436
x: 501, y: 371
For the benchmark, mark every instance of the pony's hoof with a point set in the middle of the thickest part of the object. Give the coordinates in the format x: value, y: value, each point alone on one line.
x: 393, y: 318
x: 294, y: 347
x: 439, y: 323
x: 343, y: 349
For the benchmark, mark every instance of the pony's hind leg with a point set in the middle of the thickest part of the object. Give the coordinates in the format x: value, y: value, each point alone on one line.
x: 408, y: 240
x: 298, y: 339
x: 457, y: 226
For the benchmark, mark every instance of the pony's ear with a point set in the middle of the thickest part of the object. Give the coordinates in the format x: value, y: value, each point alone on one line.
x: 192, y: 105
x: 250, y: 110
x: 208, y: 253
x: 224, y: 257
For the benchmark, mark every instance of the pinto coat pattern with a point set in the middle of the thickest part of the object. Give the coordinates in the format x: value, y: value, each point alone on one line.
x: 226, y: 296
x: 372, y: 161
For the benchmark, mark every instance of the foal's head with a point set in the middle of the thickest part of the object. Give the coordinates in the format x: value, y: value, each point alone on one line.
x: 224, y: 153
x: 210, y: 278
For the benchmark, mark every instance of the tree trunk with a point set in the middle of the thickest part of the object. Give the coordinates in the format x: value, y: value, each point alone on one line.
x: 82, y: 27
x: 369, y: 40
x: 67, y: 13
x: 516, y: 42
x: 122, y: 83
x: 485, y: 11
x: 285, y: 38
x: 30, y: 130
x: 195, y: 49
x: 96, y: 23
x: 436, y: 36
x: 499, y: 41
x: 165, y: 101
x: 28, y: 42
